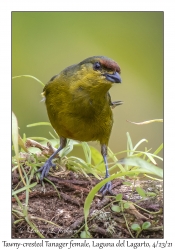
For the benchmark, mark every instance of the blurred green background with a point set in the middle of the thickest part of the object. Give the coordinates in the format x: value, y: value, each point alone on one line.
x: 44, y: 43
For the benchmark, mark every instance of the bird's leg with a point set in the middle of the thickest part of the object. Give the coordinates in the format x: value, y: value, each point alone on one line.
x: 48, y: 164
x: 107, y: 186
x: 115, y: 103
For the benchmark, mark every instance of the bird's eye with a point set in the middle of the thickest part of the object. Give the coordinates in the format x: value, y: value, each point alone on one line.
x: 97, y: 66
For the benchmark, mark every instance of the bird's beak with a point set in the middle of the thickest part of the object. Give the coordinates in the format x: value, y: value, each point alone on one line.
x: 113, y: 77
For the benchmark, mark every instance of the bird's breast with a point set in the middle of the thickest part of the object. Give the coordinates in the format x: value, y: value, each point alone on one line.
x: 81, y: 121
x: 79, y: 117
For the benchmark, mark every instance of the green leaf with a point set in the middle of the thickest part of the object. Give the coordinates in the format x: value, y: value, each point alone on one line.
x: 15, y: 134
x: 24, y: 188
x: 29, y: 76
x: 115, y: 160
x: 34, y: 150
x: 87, y: 152
x: 146, y: 225
x: 53, y: 135
x: 140, y: 153
x: 15, y: 143
x: 53, y: 186
x: 80, y: 163
x: 138, y: 144
x: 39, y: 139
x: 135, y: 227
x: 21, y: 143
x: 151, y: 194
x: 141, y: 192
x: 39, y: 124
x: 156, y: 152
x: 127, y: 183
x: 119, y: 197
x: 135, y: 161
x: 97, y: 159
x: 116, y: 209
x: 129, y: 145
x: 126, y: 205
x: 66, y: 150
x: 159, y: 149
x: 25, y: 209
x: 150, y: 158
x: 85, y: 235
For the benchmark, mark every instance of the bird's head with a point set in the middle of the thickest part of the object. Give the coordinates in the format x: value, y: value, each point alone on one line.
x: 91, y: 77
x: 102, y: 67
x: 96, y: 74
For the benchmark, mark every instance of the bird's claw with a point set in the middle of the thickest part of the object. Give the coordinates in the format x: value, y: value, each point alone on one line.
x: 45, y: 168
x: 106, y: 188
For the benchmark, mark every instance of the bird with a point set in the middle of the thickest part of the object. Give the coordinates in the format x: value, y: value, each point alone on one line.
x: 79, y: 106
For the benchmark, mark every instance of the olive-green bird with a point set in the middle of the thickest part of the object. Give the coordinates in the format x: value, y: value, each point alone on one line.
x: 79, y: 105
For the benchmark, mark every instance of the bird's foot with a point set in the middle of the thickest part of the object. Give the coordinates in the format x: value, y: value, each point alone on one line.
x: 45, y: 168
x: 106, y: 188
